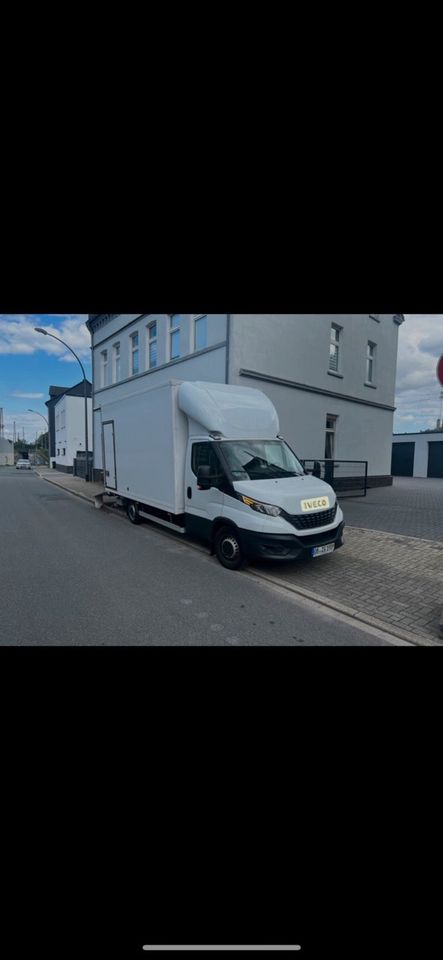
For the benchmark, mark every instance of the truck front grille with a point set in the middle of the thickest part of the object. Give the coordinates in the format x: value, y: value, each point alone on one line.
x: 309, y: 521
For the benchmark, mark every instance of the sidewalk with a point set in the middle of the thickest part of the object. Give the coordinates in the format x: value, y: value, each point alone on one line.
x: 75, y: 485
x: 384, y: 579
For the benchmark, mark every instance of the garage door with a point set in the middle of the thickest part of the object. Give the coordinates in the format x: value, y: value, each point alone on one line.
x: 435, y: 459
x: 402, y: 459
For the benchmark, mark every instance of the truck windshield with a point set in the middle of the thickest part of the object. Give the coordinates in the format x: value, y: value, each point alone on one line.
x: 260, y: 459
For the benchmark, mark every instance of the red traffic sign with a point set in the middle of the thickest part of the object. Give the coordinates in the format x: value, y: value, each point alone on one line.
x: 440, y: 370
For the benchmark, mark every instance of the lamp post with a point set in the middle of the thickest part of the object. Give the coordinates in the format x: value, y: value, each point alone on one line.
x: 45, y: 332
x: 47, y: 424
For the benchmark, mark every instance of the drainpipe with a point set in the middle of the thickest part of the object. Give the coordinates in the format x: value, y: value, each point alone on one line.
x: 228, y: 336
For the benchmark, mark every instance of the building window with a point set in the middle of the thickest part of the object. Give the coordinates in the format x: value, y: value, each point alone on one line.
x: 104, y: 367
x: 331, y: 421
x: 58, y: 451
x: 64, y: 451
x: 334, y: 348
x: 174, y: 336
x: 370, y: 362
x: 200, y: 332
x: 152, y: 345
x: 116, y: 371
x: 135, y: 355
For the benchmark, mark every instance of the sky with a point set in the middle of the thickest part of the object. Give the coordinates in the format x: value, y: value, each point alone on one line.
x: 30, y: 362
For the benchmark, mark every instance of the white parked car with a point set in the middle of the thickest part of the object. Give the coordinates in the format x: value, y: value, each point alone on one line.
x: 23, y: 465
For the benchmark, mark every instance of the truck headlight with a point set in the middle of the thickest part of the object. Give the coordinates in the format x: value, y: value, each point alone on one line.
x: 259, y: 507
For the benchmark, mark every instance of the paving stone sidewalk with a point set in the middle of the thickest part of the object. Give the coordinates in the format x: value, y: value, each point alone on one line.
x: 393, y: 579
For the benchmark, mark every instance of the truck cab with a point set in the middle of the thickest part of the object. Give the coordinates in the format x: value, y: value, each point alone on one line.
x: 252, y: 499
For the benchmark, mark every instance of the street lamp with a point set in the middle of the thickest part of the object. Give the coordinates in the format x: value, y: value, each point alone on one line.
x: 47, y: 424
x: 45, y: 332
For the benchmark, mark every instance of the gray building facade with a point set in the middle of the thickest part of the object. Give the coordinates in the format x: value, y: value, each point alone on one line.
x: 331, y: 377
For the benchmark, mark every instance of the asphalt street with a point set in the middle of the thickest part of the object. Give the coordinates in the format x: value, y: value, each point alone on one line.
x: 74, y: 575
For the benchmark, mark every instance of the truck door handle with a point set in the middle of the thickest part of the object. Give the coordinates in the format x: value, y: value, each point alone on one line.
x: 189, y: 493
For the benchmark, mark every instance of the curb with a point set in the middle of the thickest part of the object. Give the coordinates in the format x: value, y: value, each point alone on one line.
x: 395, y: 536
x: 61, y: 486
x: 382, y: 625
x: 350, y: 612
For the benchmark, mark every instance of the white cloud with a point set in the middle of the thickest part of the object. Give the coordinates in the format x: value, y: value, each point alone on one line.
x: 31, y: 423
x: 28, y: 396
x: 17, y: 336
x: 417, y: 388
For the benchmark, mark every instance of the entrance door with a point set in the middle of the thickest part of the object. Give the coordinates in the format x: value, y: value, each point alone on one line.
x: 109, y: 467
x: 402, y: 464
x: 435, y: 459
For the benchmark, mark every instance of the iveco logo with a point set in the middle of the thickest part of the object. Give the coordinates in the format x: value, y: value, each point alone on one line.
x: 320, y: 503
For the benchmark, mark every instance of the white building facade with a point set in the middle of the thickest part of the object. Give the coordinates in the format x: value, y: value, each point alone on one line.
x: 330, y: 377
x: 6, y: 453
x: 417, y: 454
x: 69, y: 419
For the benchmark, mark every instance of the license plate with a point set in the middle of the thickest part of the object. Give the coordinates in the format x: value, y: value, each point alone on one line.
x: 319, y: 551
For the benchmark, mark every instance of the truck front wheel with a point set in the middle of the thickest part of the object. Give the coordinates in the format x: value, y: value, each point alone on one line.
x: 227, y: 548
x: 132, y: 511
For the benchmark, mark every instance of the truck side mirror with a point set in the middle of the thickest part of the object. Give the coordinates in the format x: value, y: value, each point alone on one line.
x: 204, y: 478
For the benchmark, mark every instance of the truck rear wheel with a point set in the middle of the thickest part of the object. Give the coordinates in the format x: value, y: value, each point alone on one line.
x: 132, y: 511
x: 228, y: 549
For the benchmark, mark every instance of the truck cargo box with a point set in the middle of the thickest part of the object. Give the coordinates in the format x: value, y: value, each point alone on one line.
x: 144, y: 447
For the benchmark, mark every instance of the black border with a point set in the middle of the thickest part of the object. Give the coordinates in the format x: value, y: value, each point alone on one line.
x: 258, y: 795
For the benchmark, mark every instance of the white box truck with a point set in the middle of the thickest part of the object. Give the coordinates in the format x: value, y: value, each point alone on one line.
x: 206, y: 459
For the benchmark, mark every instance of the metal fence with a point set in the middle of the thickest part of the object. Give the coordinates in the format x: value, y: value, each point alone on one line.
x: 349, y: 478
x: 79, y: 466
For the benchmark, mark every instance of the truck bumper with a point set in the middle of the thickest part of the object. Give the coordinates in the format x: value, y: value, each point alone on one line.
x: 268, y: 546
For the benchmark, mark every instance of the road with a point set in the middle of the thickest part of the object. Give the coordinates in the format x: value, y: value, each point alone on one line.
x: 71, y: 574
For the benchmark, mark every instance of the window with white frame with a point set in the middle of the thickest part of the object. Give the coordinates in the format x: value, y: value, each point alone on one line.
x: 331, y: 422
x: 116, y: 368
x: 134, y: 355
x: 335, y: 348
x: 104, y: 367
x: 200, y: 332
x: 151, y: 335
x: 371, y: 351
x: 174, y: 336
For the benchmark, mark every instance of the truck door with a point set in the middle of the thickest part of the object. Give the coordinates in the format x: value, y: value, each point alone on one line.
x: 202, y: 506
x: 109, y: 468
